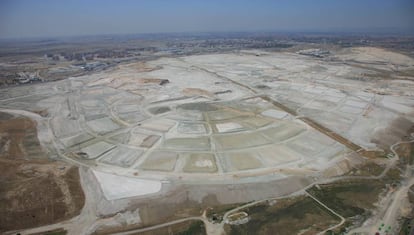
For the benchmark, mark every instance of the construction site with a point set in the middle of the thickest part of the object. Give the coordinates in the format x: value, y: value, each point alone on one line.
x: 151, y: 147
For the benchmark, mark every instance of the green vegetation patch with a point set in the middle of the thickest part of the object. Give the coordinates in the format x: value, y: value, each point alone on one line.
x: 406, y: 153
x: 349, y: 198
x: 407, y: 226
x: 368, y: 169
x: 287, y: 216
x: 216, y: 213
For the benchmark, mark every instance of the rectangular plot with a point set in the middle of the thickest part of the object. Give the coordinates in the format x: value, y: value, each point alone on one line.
x: 351, y: 109
x: 199, y: 143
x: 228, y: 127
x: 356, y: 103
x: 65, y: 127
x: 310, y: 143
x: 103, y: 125
x: 222, y: 115
x: 277, y: 154
x: 132, y: 117
x: 240, y: 140
x: 242, y: 161
x: 97, y: 149
x: 163, y: 125
x: 160, y: 161
x: 188, y: 116
x: 200, y: 162
x: 256, y: 122
x: 331, y: 152
x: 284, y: 131
x: 77, y: 139
x: 191, y: 128
x: 127, y: 108
x: 121, y: 156
x: 273, y: 113
x: 149, y: 141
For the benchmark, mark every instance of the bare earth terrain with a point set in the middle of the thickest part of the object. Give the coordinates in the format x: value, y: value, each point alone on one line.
x: 34, y: 191
x: 241, y: 142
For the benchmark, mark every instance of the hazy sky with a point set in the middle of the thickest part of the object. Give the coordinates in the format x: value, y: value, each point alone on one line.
x: 44, y: 18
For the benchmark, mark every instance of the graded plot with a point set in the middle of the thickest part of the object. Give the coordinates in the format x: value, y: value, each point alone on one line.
x: 256, y: 121
x: 331, y: 152
x: 95, y: 150
x: 102, y: 125
x: 314, y: 90
x: 250, y: 105
x: 121, y: 156
x: 116, y: 187
x: 337, y: 122
x: 76, y: 139
x: 122, y: 138
x: 187, y: 115
x: 324, y: 159
x: 310, y: 143
x: 275, y: 155
x: 228, y: 127
x: 65, y: 127
x: 200, y: 107
x: 308, y: 112
x: 365, y: 96
x: 52, y: 102
x: 350, y: 109
x: 334, y: 93
x: 196, y: 143
x: 320, y: 137
x: 277, y: 114
x: 161, y: 125
x: 149, y: 141
x: 302, y: 99
x: 91, y: 103
x: 239, y: 141
x: 356, y: 103
x: 96, y: 112
x: 286, y: 101
x: 398, y: 105
x: 334, y: 99
x: 284, y: 131
x: 199, y: 163
x: 132, y: 117
x: 320, y: 105
x: 191, y: 128
x: 127, y: 108
x: 25, y: 103
x: 110, y: 95
x: 141, y: 139
x: 224, y: 114
x: 237, y: 161
x: 159, y: 110
x: 91, y: 117
x: 160, y: 161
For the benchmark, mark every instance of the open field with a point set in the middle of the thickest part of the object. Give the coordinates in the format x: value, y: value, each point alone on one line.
x: 33, y: 190
x: 354, y: 200
x: 299, y: 215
